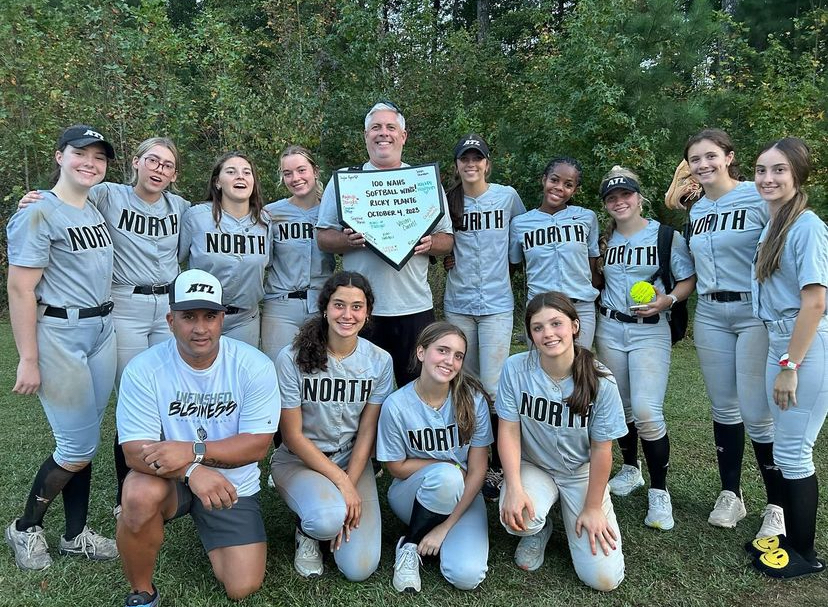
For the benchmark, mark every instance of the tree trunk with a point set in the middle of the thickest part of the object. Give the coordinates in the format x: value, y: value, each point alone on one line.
x: 483, y: 22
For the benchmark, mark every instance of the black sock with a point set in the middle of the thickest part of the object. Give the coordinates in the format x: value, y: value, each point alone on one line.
x: 76, y: 501
x: 657, y: 454
x: 771, y: 475
x: 121, y: 469
x: 730, y: 448
x: 802, y: 496
x: 629, y: 445
x: 48, y: 483
x: 495, y: 461
x: 423, y: 520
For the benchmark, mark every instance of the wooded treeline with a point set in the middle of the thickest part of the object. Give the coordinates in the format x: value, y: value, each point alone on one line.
x: 607, y: 81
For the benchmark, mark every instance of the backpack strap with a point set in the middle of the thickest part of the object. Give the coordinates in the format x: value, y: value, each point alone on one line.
x: 665, y: 248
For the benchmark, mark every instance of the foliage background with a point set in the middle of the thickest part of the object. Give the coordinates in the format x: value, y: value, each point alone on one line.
x: 607, y: 81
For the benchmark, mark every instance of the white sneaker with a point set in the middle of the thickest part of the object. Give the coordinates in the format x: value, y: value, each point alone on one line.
x: 531, y: 548
x: 729, y: 510
x: 627, y: 480
x: 91, y: 545
x: 116, y: 511
x: 308, y: 559
x: 660, y: 510
x: 407, y: 568
x: 773, y: 522
x: 30, y: 549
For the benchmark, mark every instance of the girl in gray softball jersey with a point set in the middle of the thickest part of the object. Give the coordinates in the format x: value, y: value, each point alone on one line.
x: 144, y: 220
x: 434, y: 435
x: 732, y: 344
x: 332, y: 384
x: 229, y: 238
x: 60, y: 275
x: 636, y: 345
x: 297, y: 268
x: 789, y: 295
x: 559, y: 244
x: 559, y: 412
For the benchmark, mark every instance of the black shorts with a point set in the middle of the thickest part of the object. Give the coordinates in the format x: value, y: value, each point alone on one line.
x: 242, y: 524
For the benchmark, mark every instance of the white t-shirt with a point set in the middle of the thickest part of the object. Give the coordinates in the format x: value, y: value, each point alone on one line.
x: 163, y: 398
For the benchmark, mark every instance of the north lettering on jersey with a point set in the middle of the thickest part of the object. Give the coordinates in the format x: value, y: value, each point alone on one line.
x: 210, y: 405
x: 434, y: 439
x: 89, y: 237
x: 235, y: 244
x: 631, y: 256
x: 552, y: 412
x: 336, y: 389
x: 295, y: 230
x: 144, y: 225
x: 483, y: 220
x: 553, y: 234
x: 715, y: 222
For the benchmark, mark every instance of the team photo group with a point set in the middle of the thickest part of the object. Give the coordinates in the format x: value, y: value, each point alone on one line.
x: 262, y: 347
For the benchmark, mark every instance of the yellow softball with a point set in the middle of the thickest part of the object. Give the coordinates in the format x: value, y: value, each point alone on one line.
x: 642, y: 292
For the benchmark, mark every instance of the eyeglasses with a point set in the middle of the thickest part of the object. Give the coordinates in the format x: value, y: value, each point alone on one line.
x: 390, y: 104
x: 153, y: 163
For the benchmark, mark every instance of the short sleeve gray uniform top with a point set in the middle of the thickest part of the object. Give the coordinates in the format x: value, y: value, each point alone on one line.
x: 553, y: 437
x: 145, y: 236
x: 479, y: 283
x: 409, y: 428
x: 804, y: 262
x: 557, y: 248
x: 236, y: 253
x: 723, y: 237
x: 397, y: 293
x: 296, y: 262
x: 332, y: 401
x: 628, y: 261
x: 72, y: 245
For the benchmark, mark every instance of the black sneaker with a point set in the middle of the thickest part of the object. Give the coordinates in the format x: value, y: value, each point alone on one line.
x: 492, y: 484
x: 142, y: 599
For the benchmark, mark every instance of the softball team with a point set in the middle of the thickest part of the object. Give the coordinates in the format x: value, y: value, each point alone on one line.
x: 790, y: 278
x: 434, y: 437
x: 332, y: 384
x: 731, y: 342
x: 229, y: 238
x: 634, y: 342
x: 559, y: 412
x: 297, y: 268
x: 59, y: 282
x: 559, y: 244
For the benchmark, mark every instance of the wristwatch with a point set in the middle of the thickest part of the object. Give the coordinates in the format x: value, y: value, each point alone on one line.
x: 674, y: 302
x: 199, y: 450
x: 786, y: 363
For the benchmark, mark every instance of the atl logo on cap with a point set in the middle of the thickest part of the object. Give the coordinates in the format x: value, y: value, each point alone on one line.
x: 472, y: 142
x: 200, y: 288
x: 616, y: 181
x: 91, y: 133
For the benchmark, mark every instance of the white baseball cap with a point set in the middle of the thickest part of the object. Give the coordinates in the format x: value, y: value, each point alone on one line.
x: 196, y: 290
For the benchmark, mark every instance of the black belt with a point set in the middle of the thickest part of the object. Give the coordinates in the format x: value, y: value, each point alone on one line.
x: 344, y: 447
x: 231, y: 310
x: 151, y: 290
x: 101, y: 310
x: 621, y: 317
x: 298, y: 295
x: 726, y: 296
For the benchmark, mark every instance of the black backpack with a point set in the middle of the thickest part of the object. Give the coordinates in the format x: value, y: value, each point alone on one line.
x: 678, y: 315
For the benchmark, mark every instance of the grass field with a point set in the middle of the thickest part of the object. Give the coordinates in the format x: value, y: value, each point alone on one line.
x: 695, y: 564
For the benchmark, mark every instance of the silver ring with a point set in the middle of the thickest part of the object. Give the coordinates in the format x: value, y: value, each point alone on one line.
x: 156, y: 466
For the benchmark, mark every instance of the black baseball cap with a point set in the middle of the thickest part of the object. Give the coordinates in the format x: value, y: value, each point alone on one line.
x: 619, y: 183
x: 472, y: 141
x: 82, y: 135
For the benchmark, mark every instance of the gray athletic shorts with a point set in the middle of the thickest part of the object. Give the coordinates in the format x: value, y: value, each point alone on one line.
x: 242, y: 524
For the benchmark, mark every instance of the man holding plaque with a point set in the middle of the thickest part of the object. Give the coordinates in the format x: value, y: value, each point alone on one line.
x: 404, y: 304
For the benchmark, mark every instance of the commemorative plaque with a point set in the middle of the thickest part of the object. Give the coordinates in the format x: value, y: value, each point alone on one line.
x: 392, y: 208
